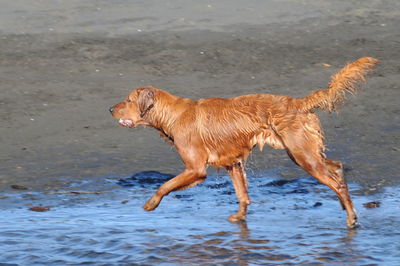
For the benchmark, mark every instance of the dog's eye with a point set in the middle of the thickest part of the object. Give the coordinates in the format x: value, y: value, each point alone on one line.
x: 128, y: 100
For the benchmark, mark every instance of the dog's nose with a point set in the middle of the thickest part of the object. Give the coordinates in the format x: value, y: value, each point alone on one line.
x: 111, y: 109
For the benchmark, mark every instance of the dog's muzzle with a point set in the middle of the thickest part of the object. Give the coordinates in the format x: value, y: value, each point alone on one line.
x: 126, y: 122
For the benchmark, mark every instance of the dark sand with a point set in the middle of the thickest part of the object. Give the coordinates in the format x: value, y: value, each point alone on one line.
x: 63, y: 65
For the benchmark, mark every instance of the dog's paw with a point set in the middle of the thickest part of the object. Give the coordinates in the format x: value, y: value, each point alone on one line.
x: 234, y: 218
x: 151, y: 204
x: 353, y: 224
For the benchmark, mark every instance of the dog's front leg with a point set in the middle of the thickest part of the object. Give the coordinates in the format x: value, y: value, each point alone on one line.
x: 239, y: 180
x: 186, y: 179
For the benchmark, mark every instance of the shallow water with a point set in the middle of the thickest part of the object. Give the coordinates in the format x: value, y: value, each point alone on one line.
x: 289, y: 222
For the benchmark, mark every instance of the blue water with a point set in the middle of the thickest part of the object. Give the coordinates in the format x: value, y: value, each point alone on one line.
x: 290, y: 222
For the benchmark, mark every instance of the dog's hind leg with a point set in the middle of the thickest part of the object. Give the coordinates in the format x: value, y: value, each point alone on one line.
x: 306, y: 151
x: 239, y: 180
x: 335, y: 168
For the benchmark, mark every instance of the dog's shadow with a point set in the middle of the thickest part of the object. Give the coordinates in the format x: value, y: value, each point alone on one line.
x: 145, y: 179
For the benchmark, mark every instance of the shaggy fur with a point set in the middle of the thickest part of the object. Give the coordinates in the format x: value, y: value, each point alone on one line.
x: 222, y: 132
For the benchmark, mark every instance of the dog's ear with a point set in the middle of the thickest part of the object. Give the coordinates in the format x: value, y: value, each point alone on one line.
x: 146, y: 100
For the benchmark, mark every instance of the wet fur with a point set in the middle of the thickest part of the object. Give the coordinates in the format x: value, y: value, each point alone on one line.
x: 222, y: 132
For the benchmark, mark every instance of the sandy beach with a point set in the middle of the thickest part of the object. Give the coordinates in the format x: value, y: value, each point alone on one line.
x: 63, y: 65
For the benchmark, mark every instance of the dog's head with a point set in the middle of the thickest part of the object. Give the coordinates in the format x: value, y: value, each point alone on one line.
x: 131, y: 112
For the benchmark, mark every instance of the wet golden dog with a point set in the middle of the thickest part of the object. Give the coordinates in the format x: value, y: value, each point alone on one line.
x: 222, y: 132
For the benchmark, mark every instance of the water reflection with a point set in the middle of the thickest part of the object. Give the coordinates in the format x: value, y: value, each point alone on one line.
x: 285, y: 226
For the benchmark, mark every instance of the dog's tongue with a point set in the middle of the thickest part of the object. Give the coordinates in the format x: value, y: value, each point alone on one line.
x: 126, y: 122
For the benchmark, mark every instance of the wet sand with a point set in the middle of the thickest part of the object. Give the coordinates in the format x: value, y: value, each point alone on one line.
x: 62, y: 66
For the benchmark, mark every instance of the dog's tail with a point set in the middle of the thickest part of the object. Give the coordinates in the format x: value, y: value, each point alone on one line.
x: 346, y: 80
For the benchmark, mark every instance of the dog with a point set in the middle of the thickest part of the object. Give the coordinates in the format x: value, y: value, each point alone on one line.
x: 222, y: 132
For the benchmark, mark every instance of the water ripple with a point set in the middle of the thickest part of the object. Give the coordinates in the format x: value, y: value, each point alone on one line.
x: 290, y: 222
